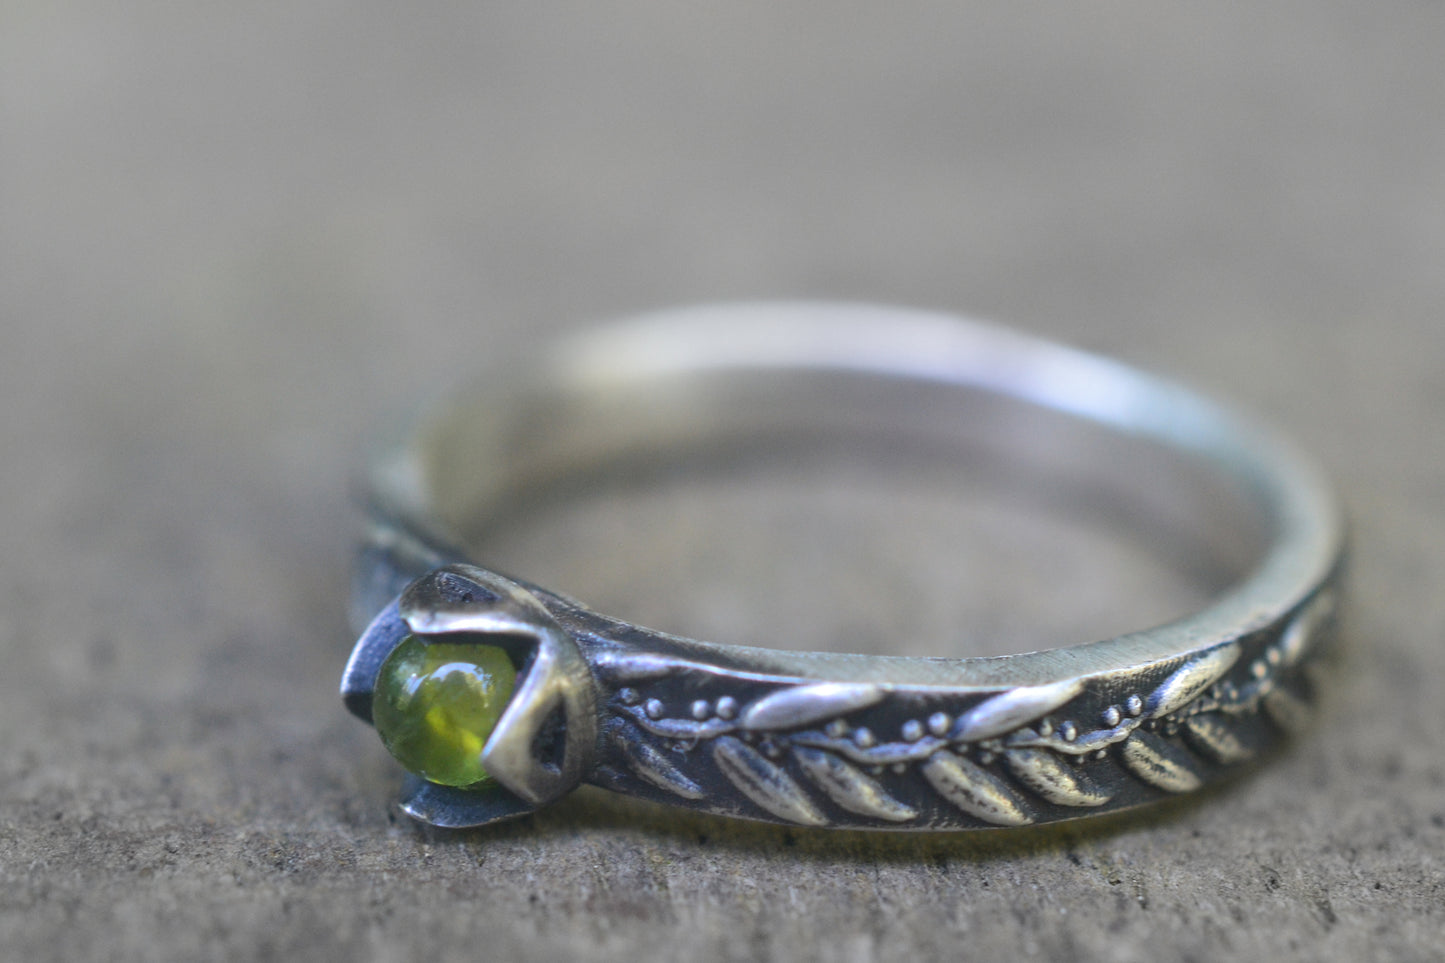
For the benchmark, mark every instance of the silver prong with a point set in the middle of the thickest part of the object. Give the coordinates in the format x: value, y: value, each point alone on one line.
x: 358, y: 681
x: 452, y: 808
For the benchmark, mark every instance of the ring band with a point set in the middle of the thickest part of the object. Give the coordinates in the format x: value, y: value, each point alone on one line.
x: 819, y: 739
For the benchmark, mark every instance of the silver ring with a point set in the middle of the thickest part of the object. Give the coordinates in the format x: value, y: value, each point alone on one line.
x: 500, y: 696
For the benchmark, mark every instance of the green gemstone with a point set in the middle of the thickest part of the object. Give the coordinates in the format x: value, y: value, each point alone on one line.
x: 436, y: 703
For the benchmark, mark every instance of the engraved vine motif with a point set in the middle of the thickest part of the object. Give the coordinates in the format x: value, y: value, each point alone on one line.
x: 986, y: 761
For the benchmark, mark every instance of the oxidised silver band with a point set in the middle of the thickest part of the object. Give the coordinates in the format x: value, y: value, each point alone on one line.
x: 824, y: 739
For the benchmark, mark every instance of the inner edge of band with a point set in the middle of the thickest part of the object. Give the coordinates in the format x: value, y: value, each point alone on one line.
x: 1303, y: 556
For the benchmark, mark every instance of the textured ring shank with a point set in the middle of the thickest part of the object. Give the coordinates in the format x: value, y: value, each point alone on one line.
x: 829, y: 739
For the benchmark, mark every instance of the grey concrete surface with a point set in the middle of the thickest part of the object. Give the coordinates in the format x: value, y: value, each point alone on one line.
x: 234, y: 236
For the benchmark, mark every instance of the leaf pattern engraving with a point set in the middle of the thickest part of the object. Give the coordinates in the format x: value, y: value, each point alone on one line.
x: 652, y: 765
x: 1289, y: 711
x: 847, y: 786
x: 1009, y: 710
x: 805, y: 704
x: 765, y: 783
x: 974, y: 790
x: 1059, y: 783
x: 1160, y: 763
x: 809, y: 753
x: 1216, y: 738
x: 621, y: 666
x: 1190, y: 680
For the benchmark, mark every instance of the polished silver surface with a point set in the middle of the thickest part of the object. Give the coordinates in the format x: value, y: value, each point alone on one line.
x: 834, y: 739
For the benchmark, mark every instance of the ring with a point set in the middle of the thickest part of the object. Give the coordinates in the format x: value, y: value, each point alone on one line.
x: 499, y: 696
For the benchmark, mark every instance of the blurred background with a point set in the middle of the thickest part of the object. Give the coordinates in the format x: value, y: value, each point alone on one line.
x: 234, y: 236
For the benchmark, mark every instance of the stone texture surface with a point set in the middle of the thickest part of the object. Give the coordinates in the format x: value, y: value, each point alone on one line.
x: 232, y: 237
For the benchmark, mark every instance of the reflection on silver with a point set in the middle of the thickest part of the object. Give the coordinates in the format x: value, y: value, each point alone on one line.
x: 824, y: 739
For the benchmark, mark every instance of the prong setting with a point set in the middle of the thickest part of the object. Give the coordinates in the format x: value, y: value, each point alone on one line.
x: 542, y: 745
